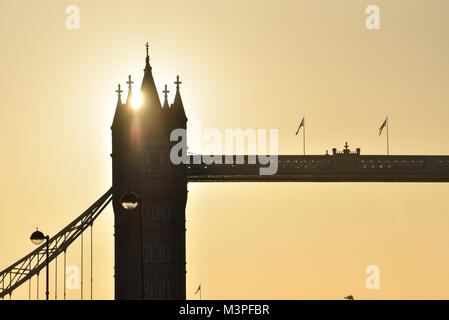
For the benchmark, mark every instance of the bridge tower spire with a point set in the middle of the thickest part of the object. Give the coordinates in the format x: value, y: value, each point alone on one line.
x: 118, y: 109
x: 145, y: 169
x: 165, y: 92
x: 147, y: 59
x: 150, y: 97
x: 119, y: 92
x: 179, y: 117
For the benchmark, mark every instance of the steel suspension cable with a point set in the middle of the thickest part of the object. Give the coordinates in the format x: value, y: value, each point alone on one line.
x: 82, y: 266
x: 37, y: 288
x: 56, y: 278
x: 56, y: 275
x: 65, y: 272
x: 91, y: 259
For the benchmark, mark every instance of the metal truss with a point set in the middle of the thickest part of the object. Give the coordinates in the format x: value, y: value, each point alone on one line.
x: 24, y: 269
x: 337, y: 167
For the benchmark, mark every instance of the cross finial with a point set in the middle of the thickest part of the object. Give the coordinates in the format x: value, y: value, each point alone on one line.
x: 177, y: 82
x: 119, y: 91
x: 346, y: 145
x: 129, y: 82
x: 165, y: 92
x: 147, y: 59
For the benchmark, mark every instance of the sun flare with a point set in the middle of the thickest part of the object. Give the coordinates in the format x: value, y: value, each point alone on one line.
x: 136, y: 100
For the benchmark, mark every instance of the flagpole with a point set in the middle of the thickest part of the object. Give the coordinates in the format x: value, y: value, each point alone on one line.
x: 388, y: 138
x: 304, y: 138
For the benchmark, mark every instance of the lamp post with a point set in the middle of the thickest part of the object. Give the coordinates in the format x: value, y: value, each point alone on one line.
x: 37, y: 238
x: 130, y: 201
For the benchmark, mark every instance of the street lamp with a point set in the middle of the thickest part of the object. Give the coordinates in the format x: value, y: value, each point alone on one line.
x: 130, y: 201
x: 37, y: 238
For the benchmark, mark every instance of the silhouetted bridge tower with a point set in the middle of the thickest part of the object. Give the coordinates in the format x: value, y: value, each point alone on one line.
x: 141, y: 164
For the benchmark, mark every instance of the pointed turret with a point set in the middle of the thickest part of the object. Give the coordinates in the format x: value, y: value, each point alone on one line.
x: 130, y: 91
x: 165, y: 92
x: 150, y: 97
x: 166, y: 111
x: 119, y: 93
x: 118, y: 108
x: 178, y: 116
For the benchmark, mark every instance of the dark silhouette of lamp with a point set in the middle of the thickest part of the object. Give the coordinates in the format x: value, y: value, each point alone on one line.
x: 130, y: 201
x: 37, y: 238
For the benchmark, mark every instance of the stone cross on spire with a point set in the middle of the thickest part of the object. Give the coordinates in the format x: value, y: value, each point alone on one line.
x: 177, y: 82
x: 130, y: 90
x: 147, y: 60
x: 119, y: 91
x: 165, y: 92
x: 129, y: 82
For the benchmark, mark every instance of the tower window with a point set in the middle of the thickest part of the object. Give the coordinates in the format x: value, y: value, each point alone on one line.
x: 146, y: 289
x: 165, y: 294
x: 154, y: 212
x: 158, y: 212
x: 157, y: 254
x: 155, y: 291
x: 165, y: 254
x: 165, y: 289
x: 166, y: 213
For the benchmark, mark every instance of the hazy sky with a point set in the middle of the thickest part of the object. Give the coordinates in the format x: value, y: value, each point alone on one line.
x: 243, y: 64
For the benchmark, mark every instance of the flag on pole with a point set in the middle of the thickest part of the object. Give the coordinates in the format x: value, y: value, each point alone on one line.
x: 300, y: 125
x: 199, y: 289
x: 383, y: 126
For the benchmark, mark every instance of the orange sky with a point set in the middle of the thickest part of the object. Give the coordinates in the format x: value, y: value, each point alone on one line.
x: 243, y: 64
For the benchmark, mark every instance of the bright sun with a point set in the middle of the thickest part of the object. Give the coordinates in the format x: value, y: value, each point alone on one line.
x: 136, y: 100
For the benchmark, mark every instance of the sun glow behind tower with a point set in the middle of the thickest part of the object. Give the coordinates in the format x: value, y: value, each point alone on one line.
x: 136, y: 100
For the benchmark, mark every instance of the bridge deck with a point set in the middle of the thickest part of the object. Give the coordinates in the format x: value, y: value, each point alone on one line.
x: 337, y: 167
